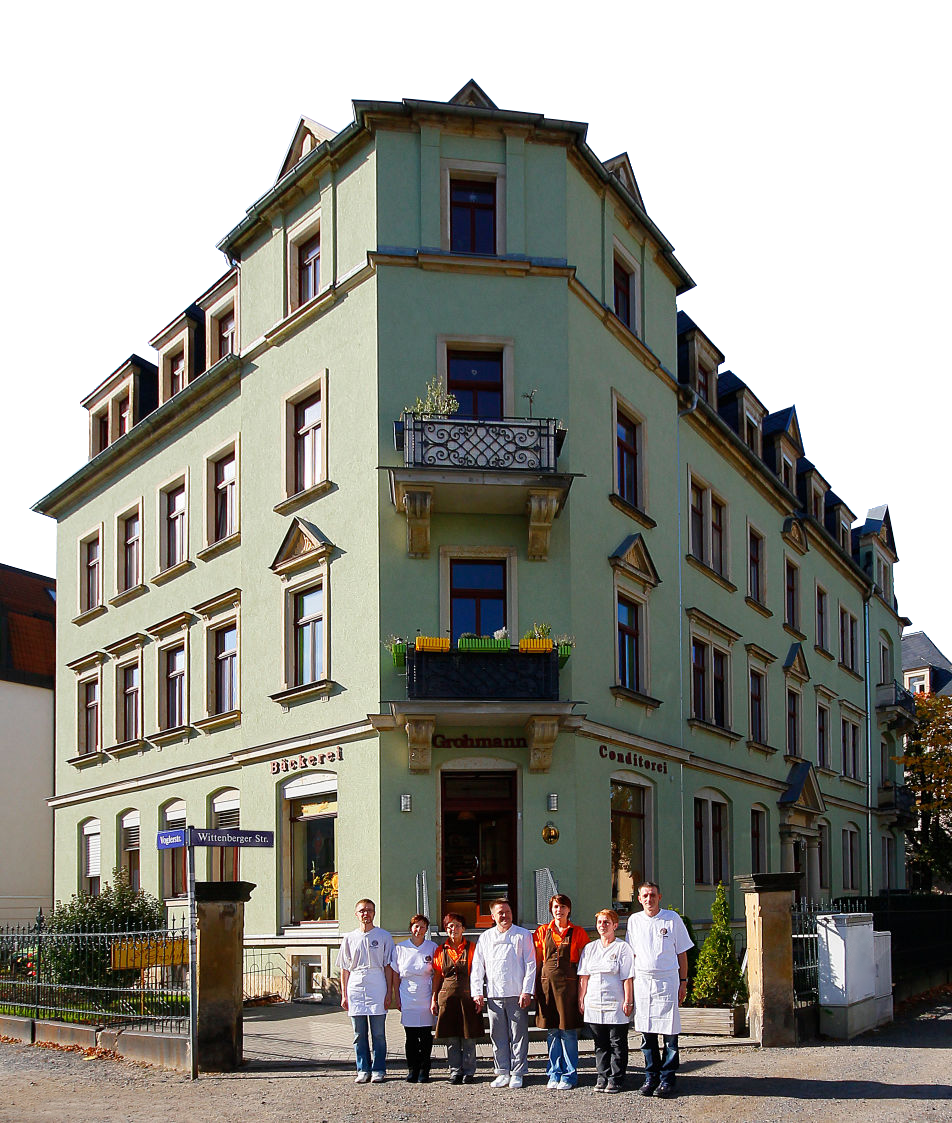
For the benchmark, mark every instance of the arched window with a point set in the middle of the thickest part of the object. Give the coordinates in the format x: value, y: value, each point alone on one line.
x: 174, y: 862
x: 90, y: 878
x: 630, y: 810
x: 225, y: 815
x: 711, y: 834
x: 129, y: 847
x: 759, y: 848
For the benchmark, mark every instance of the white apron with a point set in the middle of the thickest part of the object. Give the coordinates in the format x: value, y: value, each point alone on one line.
x: 656, y: 1002
x: 414, y: 965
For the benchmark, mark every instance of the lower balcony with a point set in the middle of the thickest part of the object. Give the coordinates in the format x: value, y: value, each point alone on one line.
x: 896, y: 705
x: 900, y: 800
x: 501, y: 676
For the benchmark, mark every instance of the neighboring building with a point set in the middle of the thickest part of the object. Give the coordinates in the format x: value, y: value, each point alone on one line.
x: 925, y: 670
x: 246, y: 534
x: 27, y: 666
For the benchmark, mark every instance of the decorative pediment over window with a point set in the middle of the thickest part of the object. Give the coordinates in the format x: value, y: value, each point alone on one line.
x: 803, y: 791
x: 474, y: 95
x: 303, y: 545
x: 307, y: 136
x: 795, y: 664
x: 620, y: 167
x: 632, y: 559
x: 794, y: 534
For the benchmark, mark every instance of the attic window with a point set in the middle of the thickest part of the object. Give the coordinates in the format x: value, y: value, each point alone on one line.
x: 751, y: 432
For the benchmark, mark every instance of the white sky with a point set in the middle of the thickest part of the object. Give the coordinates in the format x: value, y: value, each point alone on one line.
x: 796, y: 156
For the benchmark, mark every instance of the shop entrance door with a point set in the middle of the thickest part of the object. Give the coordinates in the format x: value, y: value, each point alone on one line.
x: 479, y: 843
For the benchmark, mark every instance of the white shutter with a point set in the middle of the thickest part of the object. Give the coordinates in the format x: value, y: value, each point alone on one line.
x: 92, y: 855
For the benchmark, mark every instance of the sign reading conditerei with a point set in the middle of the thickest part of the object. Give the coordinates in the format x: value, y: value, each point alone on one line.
x: 209, y: 836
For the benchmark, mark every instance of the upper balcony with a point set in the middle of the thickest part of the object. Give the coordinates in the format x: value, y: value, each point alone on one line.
x: 900, y: 800
x: 896, y: 706
x: 498, y: 466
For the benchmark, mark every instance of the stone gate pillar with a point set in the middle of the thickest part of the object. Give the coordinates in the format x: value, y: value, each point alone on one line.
x: 221, y: 927
x: 768, y: 898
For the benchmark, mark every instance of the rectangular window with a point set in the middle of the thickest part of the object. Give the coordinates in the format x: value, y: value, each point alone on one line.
x: 697, y: 522
x: 758, y: 840
x: 124, y: 415
x: 129, y: 703
x: 889, y: 861
x: 885, y: 663
x: 226, y: 669
x: 708, y: 527
x: 717, y: 536
x: 622, y: 294
x: 224, y: 860
x: 226, y: 484
x: 847, y: 639
x: 628, y: 459
x: 309, y: 635
x: 174, y: 660
x: 758, y: 715
x: 477, y: 597
x: 710, y: 683
x: 101, y: 423
x: 823, y: 853
x: 850, y: 858
x: 752, y: 433
x: 792, y: 595
x: 628, y: 814
x: 755, y: 566
x: 822, y: 619
x: 309, y: 269
x: 629, y: 644
x: 131, y: 551
x: 699, y: 654
x: 786, y: 474
x: 822, y: 737
x: 885, y: 763
x: 710, y: 840
x: 703, y: 382
x: 176, y: 373
x: 92, y: 841
x: 89, y: 716
x: 129, y: 858
x: 473, y: 216
x: 92, y: 574
x: 475, y: 380
x: 314, y: 858
x: 793, y: 723
x: 175, y: 525
x: 226, y: 334
x: 850, y: 737
x: 719, y: 687
x: 308, y: 461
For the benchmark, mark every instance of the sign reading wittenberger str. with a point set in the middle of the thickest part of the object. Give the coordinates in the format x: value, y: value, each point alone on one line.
x: 211, y: 836
x: 636, y: 760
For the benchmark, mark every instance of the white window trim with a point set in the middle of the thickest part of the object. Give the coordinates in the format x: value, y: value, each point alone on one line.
x: 163, y: 649
x: 633, y: 268
x: 709, y: 796
x: 120, y: 729
x: 217, y: 614
x: 171, y: 817
x: 306, y: 390
x: 296, y: 236
x: 88, y: 829
x: 717, y: 637
x: 475, y: 170
x: 83, y: 749
x: 122, y: 592
x: 621, y: 405
x: 182, y: 341
x: 164, y: 572
x: 213, y: 317
x: 507, y: 554
x: 706, y: 556
x: 505, y: 344
x: 84, y: 609
x: 213, y: 545
x: 314, y: 576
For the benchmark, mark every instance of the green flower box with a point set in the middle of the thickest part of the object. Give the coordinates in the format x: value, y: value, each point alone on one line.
x: 399, y: 653
x: 565, y: 650
x: 482, y: 643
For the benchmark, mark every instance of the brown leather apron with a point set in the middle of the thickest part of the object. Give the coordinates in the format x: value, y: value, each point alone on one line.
x: 557, y: 985
x: 457, y: 1014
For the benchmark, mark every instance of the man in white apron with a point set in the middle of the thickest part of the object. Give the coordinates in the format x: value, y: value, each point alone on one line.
x: 366, y: 978
x: 660, y: 943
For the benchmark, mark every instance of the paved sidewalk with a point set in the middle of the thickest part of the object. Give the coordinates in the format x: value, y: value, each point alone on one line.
x: 306, y: 1033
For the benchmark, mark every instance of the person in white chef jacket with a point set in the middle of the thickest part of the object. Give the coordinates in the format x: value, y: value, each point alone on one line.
x: 660, y: 943
x: 606, y: 999
x: 366, y: 979
x: 413, y: 980
x: 504, y: 963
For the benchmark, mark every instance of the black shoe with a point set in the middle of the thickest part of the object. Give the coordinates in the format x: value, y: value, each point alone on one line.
x: 647, y: 1089
x: 413, y: 1076
x: 469, y: 1078
x: 665, y: 1090
x: 611, y: 1088
x: 457, y: 1078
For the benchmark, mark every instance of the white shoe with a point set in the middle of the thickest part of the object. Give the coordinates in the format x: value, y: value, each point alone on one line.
x: 515, y: 1081
x: 565, y: 1086
x: 362, y: 1078
x: 553, y: 1083
x: 377, y: 1078
x: 500, y: 1082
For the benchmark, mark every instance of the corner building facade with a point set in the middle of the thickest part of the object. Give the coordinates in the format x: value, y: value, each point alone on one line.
x: 262, y: 508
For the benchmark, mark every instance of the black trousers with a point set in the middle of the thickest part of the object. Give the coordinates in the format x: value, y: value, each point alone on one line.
x: 419, y: 1047
x: 611, y: 1050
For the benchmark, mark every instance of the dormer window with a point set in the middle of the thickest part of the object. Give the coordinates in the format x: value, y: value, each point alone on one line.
x: 309, y: 269
x: 102, y: 430
x: 226, y: 334
x: 125, y: 415
x: 817, y: 505
x: 845, y: 537
x: 752, y: 433
x: 703, y: 382
x: 786, y: 473
x: 176, y: 373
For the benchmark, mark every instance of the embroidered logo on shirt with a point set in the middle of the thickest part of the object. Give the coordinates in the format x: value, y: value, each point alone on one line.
x: 428, y: 959
x: 374, y: 943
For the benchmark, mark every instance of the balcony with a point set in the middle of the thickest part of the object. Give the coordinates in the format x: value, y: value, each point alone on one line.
x: 504, y: 676
x: 505, y: 466
x: 896, y: 706
x: 900, y: 800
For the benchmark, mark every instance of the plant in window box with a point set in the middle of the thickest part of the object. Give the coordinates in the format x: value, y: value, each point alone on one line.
x: 537, y: 639
x: 398, y: 650
x: 437, y: 402
x: 433, y: 643
x: 564, y: 645
x: 498, y: 641
x: 718, y: 992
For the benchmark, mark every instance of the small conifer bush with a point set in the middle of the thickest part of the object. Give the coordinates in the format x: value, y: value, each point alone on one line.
x: 718, y: 980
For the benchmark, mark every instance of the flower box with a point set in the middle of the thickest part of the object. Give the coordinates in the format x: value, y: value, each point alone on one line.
x: 433, y: 643
x: 399, y: 653
x: 565, y: 650
x: 482, y: 643
x: 536, y: 646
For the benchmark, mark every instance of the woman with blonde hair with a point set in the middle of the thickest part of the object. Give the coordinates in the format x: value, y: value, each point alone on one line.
x: 606, y: 999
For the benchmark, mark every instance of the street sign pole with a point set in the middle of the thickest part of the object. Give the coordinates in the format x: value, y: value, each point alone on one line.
x: 192, y: 959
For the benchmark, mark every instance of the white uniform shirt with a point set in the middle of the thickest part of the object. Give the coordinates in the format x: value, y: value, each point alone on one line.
x: 607, y: 969
x: 414, y: 965
x: 657, y: 940
x: 504, y: 962
x: 364, y: 955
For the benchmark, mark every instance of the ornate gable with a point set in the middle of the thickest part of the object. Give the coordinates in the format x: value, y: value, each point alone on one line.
x: 620, y: 167
x: 472, y: 94
x: 794, y: 534
x: 803, y: 792
x: 632, y: 559
x: 303, y: 545
x: 795, y: 664
x: 307, y: 136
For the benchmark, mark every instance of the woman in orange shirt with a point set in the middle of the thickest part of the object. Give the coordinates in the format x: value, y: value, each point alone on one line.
x: 458, y: 1022
x: 558, y: 947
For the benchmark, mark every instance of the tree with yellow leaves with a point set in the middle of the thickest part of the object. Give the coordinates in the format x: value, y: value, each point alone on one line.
x: 927, y: 760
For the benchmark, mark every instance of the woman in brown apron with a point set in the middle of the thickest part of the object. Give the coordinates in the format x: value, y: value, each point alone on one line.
x: 458, y: 1023
x: 558, y: 949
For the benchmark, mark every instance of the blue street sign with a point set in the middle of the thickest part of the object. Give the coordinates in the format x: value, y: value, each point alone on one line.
x: 169, y: 840
x: 205, y: 836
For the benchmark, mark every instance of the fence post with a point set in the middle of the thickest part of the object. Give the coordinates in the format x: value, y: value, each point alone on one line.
x: 768, y: 898
x: 37, y: 963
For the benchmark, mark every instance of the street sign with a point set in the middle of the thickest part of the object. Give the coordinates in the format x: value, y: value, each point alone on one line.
x: 204, y: 836
x: 169, y: 840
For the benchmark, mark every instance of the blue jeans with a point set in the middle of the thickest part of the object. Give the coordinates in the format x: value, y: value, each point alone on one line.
x: 562, y: 1045
x: 655, y: 1064
x: 377, y: 1025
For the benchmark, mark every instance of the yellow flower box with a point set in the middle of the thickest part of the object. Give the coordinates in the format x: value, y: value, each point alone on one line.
x: 433, y: 643
x: 542, y: 646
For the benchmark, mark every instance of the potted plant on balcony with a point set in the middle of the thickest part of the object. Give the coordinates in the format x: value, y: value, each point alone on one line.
x: 564, y: 645
x: 718, y: 992
x: 398, y: 650
x: 432, y: 643
x: 538, y: 639
x: 498, y: 641
x: 437, y: 402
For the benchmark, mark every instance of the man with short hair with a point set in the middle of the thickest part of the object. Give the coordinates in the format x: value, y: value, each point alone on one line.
x: 504, y: 964
x: 366, y: 979
x: 660, y: 943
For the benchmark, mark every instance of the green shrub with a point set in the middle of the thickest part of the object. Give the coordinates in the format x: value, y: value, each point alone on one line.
x: 717, y: 979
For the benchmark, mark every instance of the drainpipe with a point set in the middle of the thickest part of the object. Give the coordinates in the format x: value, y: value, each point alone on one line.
x: 693, y: 399
x: 869, y: 749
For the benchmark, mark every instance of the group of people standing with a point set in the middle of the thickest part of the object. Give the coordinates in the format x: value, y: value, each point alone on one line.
x: 575, y: 981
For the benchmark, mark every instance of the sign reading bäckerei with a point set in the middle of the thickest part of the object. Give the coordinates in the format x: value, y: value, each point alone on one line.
x: 210, y: 836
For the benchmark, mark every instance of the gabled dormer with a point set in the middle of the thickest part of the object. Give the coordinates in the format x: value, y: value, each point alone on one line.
x: 473, y: 96
x: 812, y: 489
x: 308, y: 135
x: 875, y: 548
x: 119, y: 403
x: 783, y: 446
x: 220, y: 307
x: 839, y: 520
x: 698, y: 360
x: 741, y: 409
x: 620, y: 167
x: 181, y: 352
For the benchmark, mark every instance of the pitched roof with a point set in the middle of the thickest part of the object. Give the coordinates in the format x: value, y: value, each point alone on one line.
x: 27, y: 627
x: 729, y: 383
x: 919, y: 651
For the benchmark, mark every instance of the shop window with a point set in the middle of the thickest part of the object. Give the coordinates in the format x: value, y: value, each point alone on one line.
x: 313, y: 833
x: 628, y: 815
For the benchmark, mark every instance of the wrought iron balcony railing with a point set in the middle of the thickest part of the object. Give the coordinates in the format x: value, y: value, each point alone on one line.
x: 503, y: 676
x: 894, y: 696
x: 899, y: 798
x: 510, y: 443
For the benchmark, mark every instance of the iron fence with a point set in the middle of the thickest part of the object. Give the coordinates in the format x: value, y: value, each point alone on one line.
x: 266, y: 975
x: 131, y: 978
x: 521, y: 443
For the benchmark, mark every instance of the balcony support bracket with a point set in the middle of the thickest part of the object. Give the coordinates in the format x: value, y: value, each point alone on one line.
x: 420, y: 742
x: 541, y: 734
x: 542, y: 507
x: 418, y: 503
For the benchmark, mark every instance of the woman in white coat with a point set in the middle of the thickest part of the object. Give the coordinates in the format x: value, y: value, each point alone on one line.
x: 606, y: 999
x: 413, y: 984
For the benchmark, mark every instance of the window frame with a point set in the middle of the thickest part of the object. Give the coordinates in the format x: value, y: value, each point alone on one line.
x: 456, y: 181
x: 90, y: 573
x: 791, y: 599
x: 90, y: 877
x: 129, y: 549
x: 852, y: 858
x: 130, y: 821
x: 173, y: 816
x: 793, y: 721
x: 214, y: 542
x: 446, y: 344
x: 711, y: 839
x: 824, y: 754
x: 472, y: 171
x: 756, y: 582
x: 848, y: 639
x: 225, y: 814
x: 822, y: 618
x: 219, y: 615
x: 505, y: 554
x: 306, y: 230
x: 702, y: 524
x: 850, y: 746
x: 315, y: 388
x: 760, y: 726
x: 624, y: 261
x: 89, y: 714
x: 717, y: 642
x: 759, y: 849
x: 621, y: 409
x: 646, y: 819
x: 163, y: 516
x: 123, y: 694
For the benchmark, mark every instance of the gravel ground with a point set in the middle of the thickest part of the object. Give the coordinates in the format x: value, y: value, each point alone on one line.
x: 902, y: 1073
